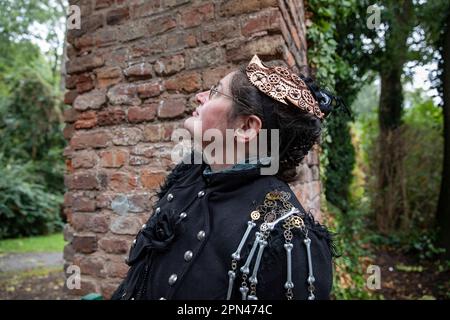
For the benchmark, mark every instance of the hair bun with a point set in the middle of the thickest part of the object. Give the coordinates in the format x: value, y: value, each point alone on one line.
x: 325, y: 100
x: 329, y: 102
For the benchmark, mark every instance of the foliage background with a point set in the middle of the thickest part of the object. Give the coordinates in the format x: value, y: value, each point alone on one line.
x: 343, y: 53
x: 31, y: 145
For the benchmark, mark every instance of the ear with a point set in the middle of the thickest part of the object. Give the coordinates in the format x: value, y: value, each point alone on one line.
x: 248, y: 128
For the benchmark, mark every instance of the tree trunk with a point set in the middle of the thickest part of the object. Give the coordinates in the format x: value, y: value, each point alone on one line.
x: 443, y: 212
x: 390, y: 153
x: 390, y: 202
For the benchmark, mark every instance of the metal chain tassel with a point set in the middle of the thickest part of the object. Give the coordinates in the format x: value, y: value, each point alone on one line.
x: 311, y: 278
x: 236, y: 256
x: 273, y: 213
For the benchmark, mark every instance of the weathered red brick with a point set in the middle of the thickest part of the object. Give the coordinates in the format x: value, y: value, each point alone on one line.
x: 108, y: 73
x: 70, y: 96
x: 84, y: 42
x: 91, y: 100
x: 108, y: 76
x: 89, y: 24
x: 83, y: 204
x: 147, y: 8
x: 70, y: 115
x: 71, y: 81
x: 114, y: 245
x: 204, y: 57
x: 91, y: 265
x: 151, y: 179
x: 187, y: 82
x: 139, y: 202
x: 127, y: 136
x: 160, y: 25
x: 84, y: 83
x: 68, y: 199
x: 83, y: 140
x: 140, y: 70
x: 235, y: 7
x: 124, y: 93
x: 196, y: 16
x: 211, y: 76
x: 116, y: 269
x: 267, y: 20
x: 169, y: 65
x: 191, y: 40
x: 181, y: 40
x: 68, y: 252
x: 105, y: 37
x: 141, y: 48
x: 270, y: 46
x: 84, y: 63
x: 68, y: 131
x: 138, y: 161
x: 129, y: 225
x: 122, y: 182
x: 84, y: 243
x: 132, y: 31
x: 68, y: 213
x: 219, y: 31
x: 171, y: 108
x: 86, y: 120
x: 69, y: 167
x: 140, y: 114
x: 147, y: 90
x: 90, y: 222
x: 117, y: 16
x: 115, y: 158
x: 100, y: 4
x: 152, y: 133
x: 111, y: 117
x: 82, y: 181
x: 84, y: 159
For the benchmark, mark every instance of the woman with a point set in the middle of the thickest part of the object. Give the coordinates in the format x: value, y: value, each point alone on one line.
x: 227, y: 231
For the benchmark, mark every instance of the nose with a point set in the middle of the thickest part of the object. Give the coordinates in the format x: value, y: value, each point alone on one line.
x: 202, y: 97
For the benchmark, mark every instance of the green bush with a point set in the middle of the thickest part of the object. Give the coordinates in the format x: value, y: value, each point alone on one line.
x: 423, y: 135
x: 31, y: 162
x: 26, y: 208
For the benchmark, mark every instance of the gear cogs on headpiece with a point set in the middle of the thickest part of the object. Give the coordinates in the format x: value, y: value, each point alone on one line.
x: 282, y: 85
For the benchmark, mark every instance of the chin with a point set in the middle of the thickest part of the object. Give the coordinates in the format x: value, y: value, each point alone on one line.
x: 189, y: 124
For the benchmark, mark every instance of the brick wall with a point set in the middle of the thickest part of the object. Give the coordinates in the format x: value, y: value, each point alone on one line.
x: 132, y: 73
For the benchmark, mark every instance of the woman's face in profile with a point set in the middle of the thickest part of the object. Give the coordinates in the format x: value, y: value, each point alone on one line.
x: 213, y: 110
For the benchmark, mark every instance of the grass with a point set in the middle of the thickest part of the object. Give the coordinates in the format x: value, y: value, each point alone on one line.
x: 49, y: 243
x: 17, y: 277
x: 12, y: 281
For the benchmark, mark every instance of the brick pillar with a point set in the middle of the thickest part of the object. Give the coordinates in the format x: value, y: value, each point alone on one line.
x: 132, y: 73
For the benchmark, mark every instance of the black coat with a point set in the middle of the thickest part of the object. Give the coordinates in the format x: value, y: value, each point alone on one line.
x: 184, y: 250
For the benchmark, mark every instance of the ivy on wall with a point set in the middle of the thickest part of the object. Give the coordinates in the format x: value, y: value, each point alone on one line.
x: 334, y: 30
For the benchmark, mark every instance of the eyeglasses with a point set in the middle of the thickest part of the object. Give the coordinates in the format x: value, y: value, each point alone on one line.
x: 214, y: 90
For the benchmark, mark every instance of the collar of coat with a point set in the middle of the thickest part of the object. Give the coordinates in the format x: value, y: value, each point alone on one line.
x: 227, y: 179
x: 247, y: 170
